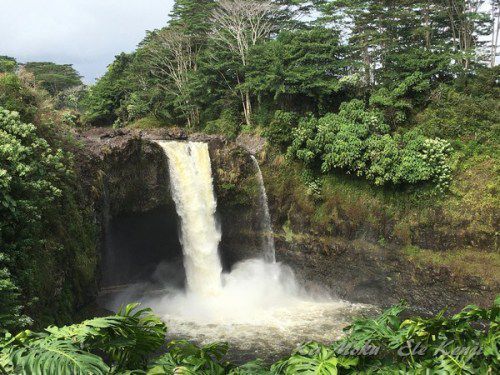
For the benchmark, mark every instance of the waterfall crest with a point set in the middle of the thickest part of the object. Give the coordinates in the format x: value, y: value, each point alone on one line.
x: 266, y: 228
x: 192, y: 191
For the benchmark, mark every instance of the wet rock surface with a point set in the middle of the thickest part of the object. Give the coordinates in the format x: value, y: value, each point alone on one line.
x: 367, y: 273
x: 127, y: 173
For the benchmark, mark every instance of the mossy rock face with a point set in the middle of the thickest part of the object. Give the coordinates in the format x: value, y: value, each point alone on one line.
x: 237, y: 190
x: 352, y: 237
x: 235, y: 178
x: 137, y: 178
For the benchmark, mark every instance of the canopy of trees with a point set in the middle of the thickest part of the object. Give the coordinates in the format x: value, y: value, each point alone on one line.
x: 231, y: 65
x: 54, y: 77
x: 251, y: 54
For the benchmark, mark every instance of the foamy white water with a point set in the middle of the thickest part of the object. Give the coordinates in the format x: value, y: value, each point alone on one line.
x: 191, y: 187
x: 266, y: 228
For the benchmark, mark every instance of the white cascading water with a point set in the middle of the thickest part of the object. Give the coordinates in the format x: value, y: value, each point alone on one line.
x: 191, y: 187
x: 266, y: 228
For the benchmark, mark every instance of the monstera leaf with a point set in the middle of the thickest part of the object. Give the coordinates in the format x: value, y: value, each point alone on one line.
x: 313, y: 359
x: 46, y: 356
x: 186, y: 358
x: 126, y: 339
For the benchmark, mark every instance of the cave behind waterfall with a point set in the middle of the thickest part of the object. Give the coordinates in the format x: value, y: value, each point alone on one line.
x: 143, y: 247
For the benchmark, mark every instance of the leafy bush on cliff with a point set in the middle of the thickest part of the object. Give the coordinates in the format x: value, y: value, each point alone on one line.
x: 464, y: 343
x: 228, y: 124
x: 7, y: 64
x: 30, y: 175
x: 15, y: 96
x: 280, y: 129
x: 357, y: 140
x: 455, y: 114
x: 47, y: 241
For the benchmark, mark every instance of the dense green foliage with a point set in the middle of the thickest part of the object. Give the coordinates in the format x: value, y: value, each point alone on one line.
x: 304, y: 70
x: 7, y: 64
x: 54, y: 77
x: 230, y: 66
x: 30, y: 175
x: 43, y: 223
x: 103, y: 100
x: 464, y: 343
x: 125, y: 339
x: 15, y: 96
x: 358, y: 141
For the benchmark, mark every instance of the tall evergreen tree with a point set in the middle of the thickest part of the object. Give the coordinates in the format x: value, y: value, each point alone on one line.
x: 193, y: 18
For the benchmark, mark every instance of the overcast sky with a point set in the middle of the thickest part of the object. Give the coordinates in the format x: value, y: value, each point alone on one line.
x: 85, y: 33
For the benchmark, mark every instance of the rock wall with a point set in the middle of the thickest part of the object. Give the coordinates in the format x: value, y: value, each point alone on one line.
x: 128, y: 175
x: 347, y: 236
x: 361, y: 271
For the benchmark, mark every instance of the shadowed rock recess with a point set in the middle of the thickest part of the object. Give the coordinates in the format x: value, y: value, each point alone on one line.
x: 127, y: 175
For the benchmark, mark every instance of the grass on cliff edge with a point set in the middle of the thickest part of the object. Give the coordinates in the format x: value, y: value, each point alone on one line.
x: 485, y: 265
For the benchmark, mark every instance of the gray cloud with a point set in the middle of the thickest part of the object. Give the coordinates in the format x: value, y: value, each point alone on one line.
x: 85, y: 33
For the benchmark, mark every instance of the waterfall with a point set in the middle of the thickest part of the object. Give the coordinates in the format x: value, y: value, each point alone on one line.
x: 192, y: 192
x: 267, y: 238
x: 258, y: 303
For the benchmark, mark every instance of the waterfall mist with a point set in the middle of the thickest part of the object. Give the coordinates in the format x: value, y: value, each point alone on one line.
x: 253, y: 287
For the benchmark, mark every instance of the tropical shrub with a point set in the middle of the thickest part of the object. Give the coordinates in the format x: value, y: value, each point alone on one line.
x: 125, y: 339
x: 314, y: 358
x: 228, y: 124
x: 15, y: 96
x: 455, y: 114
x: 70, y: 98
x: 279, y: 131
x: 30, y: 180
x: 397, y: 102
x: 7, y: 64
x: 358, y: 141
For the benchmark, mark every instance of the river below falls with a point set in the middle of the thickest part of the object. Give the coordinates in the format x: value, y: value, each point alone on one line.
x: 268, y: 333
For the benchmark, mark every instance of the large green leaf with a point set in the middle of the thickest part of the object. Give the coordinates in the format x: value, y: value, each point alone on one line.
x: 45, y: 356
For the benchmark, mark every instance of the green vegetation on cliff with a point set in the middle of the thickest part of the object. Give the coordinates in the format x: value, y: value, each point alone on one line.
x: 397, y: 106
x: 48, y: 239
